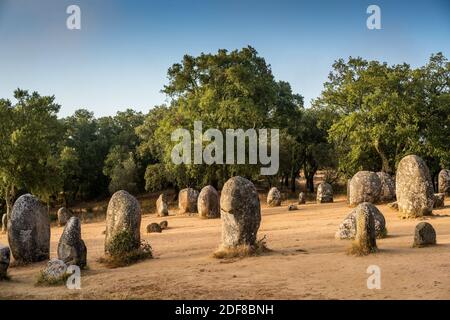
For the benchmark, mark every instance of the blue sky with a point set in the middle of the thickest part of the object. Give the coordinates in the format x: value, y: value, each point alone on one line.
x: 120, y: 57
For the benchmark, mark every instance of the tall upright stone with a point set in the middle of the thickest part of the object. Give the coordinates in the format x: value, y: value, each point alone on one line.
x: 365, y: 186
x: 63, y: 216
x: 123, y: 219
x: 387, y: 193
x: 444, y: 182
x: 274, y: 197
x: 365, y: 238
x: 208, y: 203
x: 187, y: 201
x: 301, y: 198
x: 240, y: 213
x: 71, y: 248
x: 161, y: 206
x: 29, y: 230
x: 414, y: 187
x: 324, y: 193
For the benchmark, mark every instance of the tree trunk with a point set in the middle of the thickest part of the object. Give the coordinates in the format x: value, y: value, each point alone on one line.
x: 293, y: 180
x: 9, y: 198
x: 385, y: 167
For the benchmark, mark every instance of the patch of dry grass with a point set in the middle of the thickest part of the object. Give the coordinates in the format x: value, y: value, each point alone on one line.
x: 360, y: 250
x: 242, y: 251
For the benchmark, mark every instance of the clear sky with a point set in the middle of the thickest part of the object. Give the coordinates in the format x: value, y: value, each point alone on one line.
x: 120, y: 56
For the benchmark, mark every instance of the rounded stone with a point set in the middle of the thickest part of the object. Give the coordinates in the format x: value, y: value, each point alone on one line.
x: 444, y: 182
x: 187, y: 201
x: 208, y: 203
x: 63, y: 216
x: 164, y: 225
x: 439, y: 200
x: 29, y: 230
x: 424, y: 235
x: 123, y: 216
x: 240, y: 212
x: 5, y: 258
x: 387, y: 187
x: 347, y: 229
x: 414, y: 187
x: 161, y: 206
x: 55, y: 270
x: 71, y: 248
x: 365, y: 186
x: 274, y: 197
x: 154, y: 227
x: 301, y: 198
x: 324, y: 193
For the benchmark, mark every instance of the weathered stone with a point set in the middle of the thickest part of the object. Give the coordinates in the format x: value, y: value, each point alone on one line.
x: 187, y: 201
x: 414, y: 188
x: 424, y: 235
x: 347, y: 229
x: 301, y: 198
x: 71, y: 248
x: 164, y: 225
x: 154, y: 227
x: 393, y: 205
x: 55, y: 270
x: 161, y: 206
x: 274, y: 197
x: 4, y: 223
x: 123, y: 216
x: 365, y: 186
x: 292, y: 207
x: 365, y: 238
x: 387, y: 187
x: 5, y: 257
x: 208, y: 203
x: 63, y: 216
x: 439, y: 199
x: 444, y: 182
x: 240, y: 212
x: 324, y: 193
x: 29, y: 230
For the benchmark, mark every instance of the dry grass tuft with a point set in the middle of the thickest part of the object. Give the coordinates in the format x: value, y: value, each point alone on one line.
x: 360, y: 250
x: 242, y: 251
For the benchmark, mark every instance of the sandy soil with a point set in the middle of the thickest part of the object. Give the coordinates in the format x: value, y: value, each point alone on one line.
x: 307, y: 262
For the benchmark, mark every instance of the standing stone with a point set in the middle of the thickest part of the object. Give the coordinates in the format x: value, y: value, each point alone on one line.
x: 414, y: 188
x: 424, y: 235
x: 4, y: 223
x: 365, y: 238
x: 55, y: 270
x: 187, y: 201
x: 240, y: 212
x: 208, y: 203
x: 5, y: 257
x: 444, y: 182
x: 324, y: 193
x: 301, y: 198
x: 71, y: 248
x: 387, y: 187
x: 63, y: 216
x: 347, y: 229
x: 274, y: 198
x: 365, y: 186
x: 123, y: 216
x: 29, y: 230
x: 439, y: 199
x: 161, y: 206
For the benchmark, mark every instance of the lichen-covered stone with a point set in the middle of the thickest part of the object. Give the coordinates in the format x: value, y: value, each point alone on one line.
x: 444, y: 182
x: 347, y: 229
x: 29, y: 230
x: 187, y: 201
x: 301, y: 198
x: 123, y: 216
x: 161, y: 206
x: 387, y: 187
x: 71, y: 248
x: 240, y: 212
x: 63, y: 216
x: 439, y: 199
x: 424, y: 235
x: 5, y: 257
x: 55, y: 270
x: 274, y: 197
x: 365, y: 238
x: 365, y: 186
x: 154, y: 227
x: 324, y: 193
x: 414, y: 188
x: 208, y: 203
x: 164, y: 224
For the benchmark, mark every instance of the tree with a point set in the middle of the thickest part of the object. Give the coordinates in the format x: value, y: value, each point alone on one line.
x: 29, y: 131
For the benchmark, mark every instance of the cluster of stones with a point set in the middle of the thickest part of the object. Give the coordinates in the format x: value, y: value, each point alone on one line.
x: 274, y: 197
x: 187, y: 201
x: 324, y: 193
x: 157, y: 227
x: 368, y: 186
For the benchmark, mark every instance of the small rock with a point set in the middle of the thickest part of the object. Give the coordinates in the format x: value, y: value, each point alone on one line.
x: 424, y: 235
x: 292, y: 207
x: 55, y: 270
x: 164, y: 225
x: 154, y: 227
x: 5, y: 256
x: 301, y: 198
x: 439, y: 200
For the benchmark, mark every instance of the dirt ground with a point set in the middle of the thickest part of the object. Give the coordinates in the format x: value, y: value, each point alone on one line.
x: 306, y: 262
